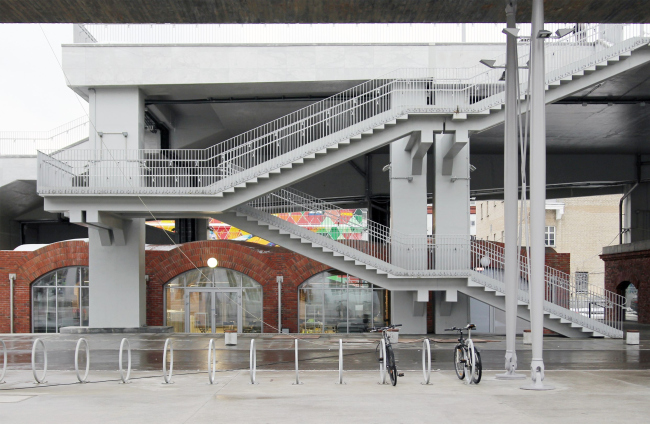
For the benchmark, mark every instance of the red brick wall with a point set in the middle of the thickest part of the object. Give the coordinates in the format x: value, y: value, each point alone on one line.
x: 261, y: 263
x: 633, y: 267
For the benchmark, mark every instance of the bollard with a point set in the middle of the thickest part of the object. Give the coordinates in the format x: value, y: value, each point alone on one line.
x: 528, y: 337
x: 4, y: 367
x: 297, y: 376
x: 632, y: 337
x: 125, y: 379
x: 168, y: 377
x: 212, y: 361
x: 76, y: 360
x: 426, y: 361
x: 42, y: 379
x: 253, y: 361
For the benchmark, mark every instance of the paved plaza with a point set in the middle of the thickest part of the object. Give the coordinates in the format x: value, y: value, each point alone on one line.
x: 595, y: 380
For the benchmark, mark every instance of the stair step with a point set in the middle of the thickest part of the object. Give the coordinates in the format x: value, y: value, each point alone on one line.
x: 391, y: 123
x: 356, y: 137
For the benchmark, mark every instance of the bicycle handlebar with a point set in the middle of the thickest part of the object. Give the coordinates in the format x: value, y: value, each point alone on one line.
x: 375, y: 329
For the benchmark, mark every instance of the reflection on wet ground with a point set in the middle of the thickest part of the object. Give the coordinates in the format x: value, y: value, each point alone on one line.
x: 273, y: 353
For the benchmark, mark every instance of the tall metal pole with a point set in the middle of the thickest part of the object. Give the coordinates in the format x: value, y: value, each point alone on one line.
x: 510, y: 185
x: 537, y: 196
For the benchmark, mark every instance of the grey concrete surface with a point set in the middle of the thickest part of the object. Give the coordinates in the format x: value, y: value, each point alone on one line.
x: 579, y: 397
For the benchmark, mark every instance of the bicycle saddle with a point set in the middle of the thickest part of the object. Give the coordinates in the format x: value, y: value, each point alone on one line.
x: 470, y: 327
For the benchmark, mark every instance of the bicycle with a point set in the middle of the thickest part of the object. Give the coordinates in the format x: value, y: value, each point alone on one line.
x: 390, y: 357
x: 466, y: 356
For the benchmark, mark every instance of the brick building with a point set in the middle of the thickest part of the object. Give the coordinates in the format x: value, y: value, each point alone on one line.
x: 580, y: 226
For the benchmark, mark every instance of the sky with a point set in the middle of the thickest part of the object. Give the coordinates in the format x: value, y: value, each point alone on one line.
x: 33, y: 92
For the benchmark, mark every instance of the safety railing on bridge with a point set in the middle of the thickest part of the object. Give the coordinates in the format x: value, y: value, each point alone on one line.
x: 318, y: 126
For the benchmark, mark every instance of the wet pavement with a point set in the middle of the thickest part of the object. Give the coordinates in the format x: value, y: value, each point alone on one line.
x: 276, y: 352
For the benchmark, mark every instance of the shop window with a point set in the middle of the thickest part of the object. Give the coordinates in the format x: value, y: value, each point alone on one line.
x: 60, y: 299
x: 335, y: 302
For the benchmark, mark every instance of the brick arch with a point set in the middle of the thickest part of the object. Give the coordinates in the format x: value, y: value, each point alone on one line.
x: 261, y: 263
x: 38, y: 263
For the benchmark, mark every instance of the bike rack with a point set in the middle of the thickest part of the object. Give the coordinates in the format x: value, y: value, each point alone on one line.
x: 168, y: 377
x: 382, y: 364
x: 125, y: 379
x: 426, y: 361
x: 469, y: 371
x: 297, y: 376
x: 341, y: 361
x: 253, y: 361
x: 81, y: 379
x: 212, y: 361
x: 4, y: 367
x: 42, y: 379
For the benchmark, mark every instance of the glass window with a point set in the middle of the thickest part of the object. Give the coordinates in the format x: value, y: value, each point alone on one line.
x: 60, y: 299
x: 582, y: 282
x: 549, y: 236
x: 334, y: 302
x: 212, y: 295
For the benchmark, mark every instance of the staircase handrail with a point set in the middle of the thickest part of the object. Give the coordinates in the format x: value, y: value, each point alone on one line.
x: 28, y: 142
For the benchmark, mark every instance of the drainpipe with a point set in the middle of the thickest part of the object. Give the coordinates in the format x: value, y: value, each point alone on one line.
x: 12, y: 278
x: 620, y: 213
x: 279, y: 280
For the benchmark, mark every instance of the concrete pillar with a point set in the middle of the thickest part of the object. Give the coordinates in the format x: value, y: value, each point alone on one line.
x: 406, y: 310
x: 114, y: 112
x: 117, y: 285
x: 452, y: 200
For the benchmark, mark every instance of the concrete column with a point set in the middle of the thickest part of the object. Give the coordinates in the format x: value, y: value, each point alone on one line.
x: 537, y: 197
x: 408, y: 311
x: 117, y: 285
x: 510, y: 178
x: 452, y: 200
x: 408, y: 197
x: 113, y: 112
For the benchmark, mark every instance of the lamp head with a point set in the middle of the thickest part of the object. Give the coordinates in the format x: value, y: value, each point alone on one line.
x: 543, y: 33
x: 488, y: 62
x: 563, y: 32
x: 511, y: 31
x: 212, y: 262
x: 386, y: 168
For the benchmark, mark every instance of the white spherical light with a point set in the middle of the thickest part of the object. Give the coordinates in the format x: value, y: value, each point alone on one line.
x: 212, y: 262
x: 485, y: 261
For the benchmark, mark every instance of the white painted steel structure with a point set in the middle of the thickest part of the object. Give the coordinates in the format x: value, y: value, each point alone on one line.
x: 27, y: 143
x: 313, y: 130
x: 81, y: 341
x: 37, y: 379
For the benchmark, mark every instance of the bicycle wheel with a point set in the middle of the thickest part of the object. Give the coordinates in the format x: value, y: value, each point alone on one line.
x: 478, y: 367
x: 390, y: 365
x: 459, y: 361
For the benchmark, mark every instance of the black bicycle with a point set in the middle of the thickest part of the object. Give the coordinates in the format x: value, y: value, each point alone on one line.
x: 466, y: 357
x: 391, y: 368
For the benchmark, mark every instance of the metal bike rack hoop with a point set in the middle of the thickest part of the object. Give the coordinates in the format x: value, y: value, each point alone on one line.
x: 297, y: 376
x: 212, y: 361
x: 341, y: 361
x: 4, y: 367
x: 382, y: 364
x: 168, y: 377
x: 469, y: 371
x: 42, y: 379
x: 76, y: 360
x: 426, y: 360
x: 125, y: 379
x: 253, y: 361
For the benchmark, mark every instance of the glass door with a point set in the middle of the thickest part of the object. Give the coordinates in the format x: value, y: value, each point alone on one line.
x: 199, y: 311
x: 226, y: 311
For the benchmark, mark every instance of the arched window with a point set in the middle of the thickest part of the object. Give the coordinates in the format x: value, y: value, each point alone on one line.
x: 335, y: 302
x: 60, y: 299
x: 208, y: 300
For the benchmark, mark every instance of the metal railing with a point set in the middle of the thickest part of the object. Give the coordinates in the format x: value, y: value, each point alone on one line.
x: 318, y: 126
x: 27, y: 143
x: 307, y: 33
x: 561, y: 289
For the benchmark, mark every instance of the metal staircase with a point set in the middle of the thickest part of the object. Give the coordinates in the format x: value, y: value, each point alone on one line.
x: 388, y: 258
x: 314, y: 133
x: 244, y: 176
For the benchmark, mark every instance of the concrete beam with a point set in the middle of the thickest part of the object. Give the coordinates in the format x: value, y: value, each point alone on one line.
x: 418, y: 149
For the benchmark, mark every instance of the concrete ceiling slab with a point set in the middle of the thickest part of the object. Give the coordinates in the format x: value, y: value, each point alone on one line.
x: 313, y: 11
